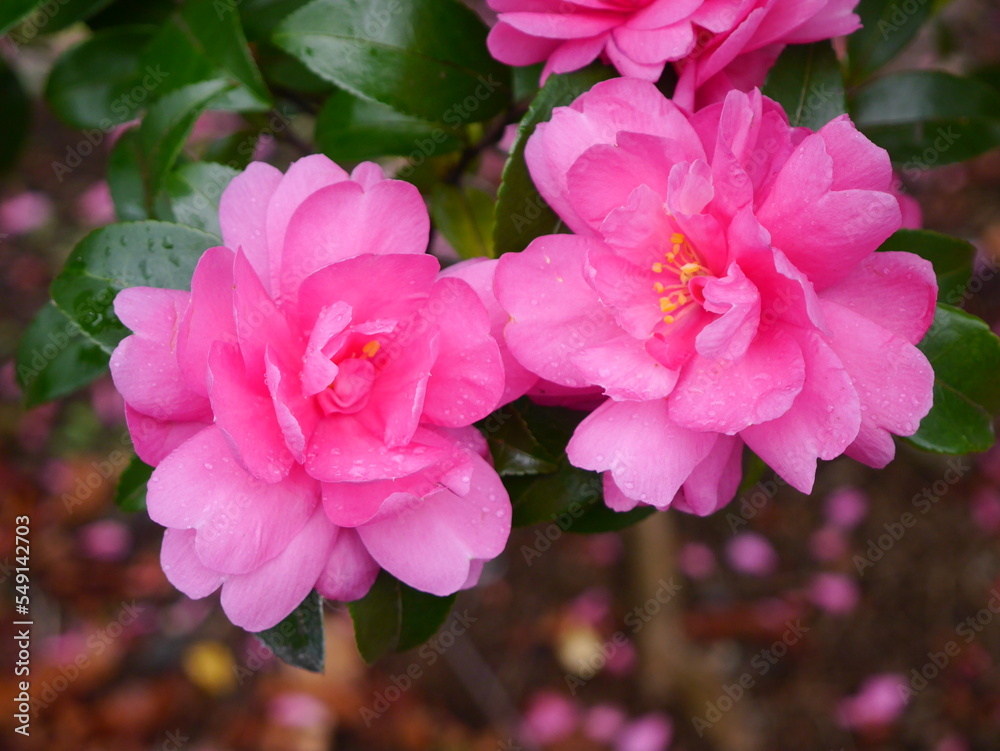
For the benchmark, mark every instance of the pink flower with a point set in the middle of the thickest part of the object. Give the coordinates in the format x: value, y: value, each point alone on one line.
x: 308, y: 404
x: 722, y: 288
x: 714, y: 44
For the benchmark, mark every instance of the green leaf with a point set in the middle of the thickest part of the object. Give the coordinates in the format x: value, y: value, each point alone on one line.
x: 125, y: 178
x: 181, y: 60
x: 465, y: 218
x: 395, y: 617
x: 43, y: 16
x: 516, y: 452
x: 965, y: 356
x: 13, y: 11
x: 807, y: 82
x: 217, y: 34
x: 109, y: 259
x: 887, y: 27
x: 166, y: 127
x: 299, y: 639
x: 16, y: 116
x: 261, y: 17
x: 124, y: 12
x: 426, y: 58
x: 350, y: 129
x: 99, y: 83
x: 927, y: 118
x: 283, y: 71
x: 521, y: 213
x: 130, y: 495
x: 952, y: 258
x: 598, y: 519
x: 55, y: 358
x: 191, y: 195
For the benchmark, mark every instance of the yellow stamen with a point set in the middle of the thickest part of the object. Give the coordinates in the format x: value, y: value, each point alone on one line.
x: 657, y: 268
x: 659, y: 288
x: 668, y: 319
x: 677, y: 238
x: 372, y: 348
x: 666, y: 306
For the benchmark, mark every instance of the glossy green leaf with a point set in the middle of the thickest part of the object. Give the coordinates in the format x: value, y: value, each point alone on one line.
x: 55, y: 357
x: 130, y: 495
x: 218, y: 35
x: 965, y: 356
x: 887, y: 27
x: 125, y: 178
x: 393, y: 617
x: 521, y: 213
x: 807, y: 82
x: 928, y: 118
x: 350, y: 129
x: 16, y: 116
x: 952, y: 258
x: 191, y: 195
x: 178, y: 55
x: 109, y: 259
x: 300, y: 639
x: 465, y: 217
x: 167, y: 126
x: 426, y: 58
x: 283, y: 71
x: 261, y: 17
x: 516, y: 452
x: 100, y: 82
x: 598, y: 519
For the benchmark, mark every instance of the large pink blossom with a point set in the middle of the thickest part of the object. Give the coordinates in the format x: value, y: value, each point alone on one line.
x: 715, y: 45
x: 307, y: 405
x: 722, y: 288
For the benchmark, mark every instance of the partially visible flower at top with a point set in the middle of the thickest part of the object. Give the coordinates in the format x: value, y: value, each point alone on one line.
x: 715, y: 45
x: 308, y: 404
x: 722, y: 288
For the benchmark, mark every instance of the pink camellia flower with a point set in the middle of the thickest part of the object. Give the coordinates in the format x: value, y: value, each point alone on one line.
x: 722, y: 288
x: 715, y: 45
x: 308, y: 404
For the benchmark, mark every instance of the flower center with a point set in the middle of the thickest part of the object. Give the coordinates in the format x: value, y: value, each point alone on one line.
x: 349, y: 391
x: 682, y: 262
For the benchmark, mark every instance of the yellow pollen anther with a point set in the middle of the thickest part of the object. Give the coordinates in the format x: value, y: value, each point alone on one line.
x: 658, y: 268
x: 666, y: 306
x: 690, y: 269
x: 372, y: 348
x: 677, y: 238
x: 668, y: 319
x: 659, y: 288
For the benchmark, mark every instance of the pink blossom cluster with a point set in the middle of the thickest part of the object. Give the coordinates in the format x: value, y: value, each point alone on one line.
x: 722, y: 289
x: 715, y: 45
x: 308, y: 404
